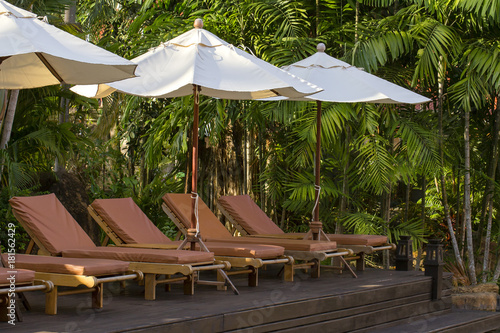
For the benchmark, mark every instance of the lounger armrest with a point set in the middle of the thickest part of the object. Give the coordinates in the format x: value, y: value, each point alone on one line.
x: 68, y: 280
x: 358, y: 248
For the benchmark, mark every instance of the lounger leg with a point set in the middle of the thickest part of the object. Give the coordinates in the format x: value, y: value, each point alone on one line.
x: 288, y: 273
x: 189, y: 285
x: 19, y: 314
x: 315, y: 269
x: 98, y: 296
x: 253, y: 278
x: 221, y: 278
x: 167, y: 285
x: 360, y: 262
x: 23, y: 299
x: 51, y: 302
x: 150, y: 286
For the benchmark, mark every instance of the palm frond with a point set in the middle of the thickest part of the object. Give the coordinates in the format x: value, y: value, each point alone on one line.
x: 438, y: 43
x: 376, y: 166
x: 482, y: 8
x: 420, y: 145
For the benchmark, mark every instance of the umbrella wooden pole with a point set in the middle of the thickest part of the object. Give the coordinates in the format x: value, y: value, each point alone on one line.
x: 317, y: 160
x: 194, y: 165
x: 193, y: 235
x: 315, y: 226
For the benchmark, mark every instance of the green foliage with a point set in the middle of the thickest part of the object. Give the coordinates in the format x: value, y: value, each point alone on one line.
x: 363, y: 223
x: 130, y: 146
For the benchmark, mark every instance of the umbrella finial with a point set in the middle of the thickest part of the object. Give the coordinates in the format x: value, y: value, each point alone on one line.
x: 198, y: 23
x: 321, y: 47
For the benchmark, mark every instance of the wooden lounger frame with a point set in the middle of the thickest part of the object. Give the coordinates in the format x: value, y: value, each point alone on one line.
x: 359, y: 251
x: 248, y: 266
x: 147, y: 271
x: 312, y: 259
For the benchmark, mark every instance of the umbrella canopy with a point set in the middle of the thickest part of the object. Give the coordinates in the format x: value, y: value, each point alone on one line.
x: 198, y: 62
x: 34, y: 54
x: 200, y: 58
x: 343, y: 83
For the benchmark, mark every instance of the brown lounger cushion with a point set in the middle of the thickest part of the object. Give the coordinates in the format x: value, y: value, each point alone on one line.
x: 251, y: 218
x: 21, y: 275
x: 53, y: 225
x: 73, y: 266
x: 212, y: 230
x: 290, y: 244
x: 142, y: 255
x: 235, y: 248
x: 210, y: 226
x: 128, y: 221
x: 369, y: 240
x: 249, y: 215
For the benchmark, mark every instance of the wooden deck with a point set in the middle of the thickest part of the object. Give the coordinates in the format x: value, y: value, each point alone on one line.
x: 331, y: 303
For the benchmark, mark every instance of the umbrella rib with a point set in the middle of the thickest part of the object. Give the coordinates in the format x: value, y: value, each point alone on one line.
x: 49, y: 66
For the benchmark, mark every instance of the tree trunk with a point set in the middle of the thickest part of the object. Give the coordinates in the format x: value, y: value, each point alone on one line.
x: 489, y: 191
x: 446, y: 207
x: 496, y: 276
x: 317, y: 19
x: 356, y: 20
x: 9, y: 118
x: 283, y: 213
x: 467, y: 203
x: 407, y: 201
x: 424, y: 189
x: 459, y: 222
x: 345, y: 182
x: 386, y: 216
x: 4, y: 93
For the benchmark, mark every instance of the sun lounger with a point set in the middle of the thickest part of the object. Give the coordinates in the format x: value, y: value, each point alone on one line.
x: 126, y: 225
x: 56, y: 233
x: 247, y: 217
x: 178, y: 207
x: 49, y: 273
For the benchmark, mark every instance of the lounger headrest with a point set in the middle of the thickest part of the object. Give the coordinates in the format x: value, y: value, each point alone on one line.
x: 128, y: 221
x: 50, y: 223
x: 210, y: 226
x: 248, y: 215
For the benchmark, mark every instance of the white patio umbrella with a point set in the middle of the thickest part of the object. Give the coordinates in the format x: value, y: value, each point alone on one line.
x: 343, y: 83
x: 198, y: 62
x: 34, y: 54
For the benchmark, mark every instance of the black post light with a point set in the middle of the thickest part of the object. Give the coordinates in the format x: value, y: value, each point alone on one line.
x: 404, y: 254
x: 433, y: 265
